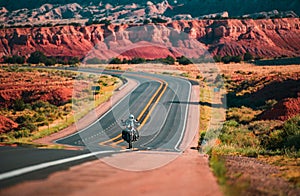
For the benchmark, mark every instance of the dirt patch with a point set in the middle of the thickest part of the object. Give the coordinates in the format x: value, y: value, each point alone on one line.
x: 255, y: 177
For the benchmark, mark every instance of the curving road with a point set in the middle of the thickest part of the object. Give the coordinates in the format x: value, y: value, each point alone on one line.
x: 157, y: 102
x: 165, y: 118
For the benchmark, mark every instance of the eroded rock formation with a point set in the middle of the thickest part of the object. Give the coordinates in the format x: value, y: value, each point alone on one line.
x: 262, y: 38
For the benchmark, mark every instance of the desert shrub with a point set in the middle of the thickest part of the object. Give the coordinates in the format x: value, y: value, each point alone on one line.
x: 211, y: 134
x: 19, y: 105
x: 291, y: 133
x: 146, y: 21
x: 248, y: 56
x: 239, y: 137
x: 184, y: 60
x: 217, y: 58
x: 226, y: 59
x: 260, y: 127
x: 231, y: 123
x: 39, y: 104
x: 283, y: 139
x: 236, y: 59
x: 15, y: 59
x: 168, y: 60
x: 39, y: 117
x: 241, y: 115
x: 37, y: 57
x: 137, y: 60
x: 218, y: 166
x: 202, y: 135
x: 185, y: 75
x: 30, y: 126
x: 73, y: 60
x: 115, y: 61
x: 269, y: 104
x: 23, y: 119
x: 21, y: 133
x: 273, y: 140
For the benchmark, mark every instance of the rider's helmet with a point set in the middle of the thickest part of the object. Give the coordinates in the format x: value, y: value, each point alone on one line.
x: 131, y: 117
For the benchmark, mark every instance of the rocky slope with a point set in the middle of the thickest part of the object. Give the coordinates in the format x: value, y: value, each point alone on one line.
x: 262, y: 38
x: 7, y: 124
x: 283, y: 110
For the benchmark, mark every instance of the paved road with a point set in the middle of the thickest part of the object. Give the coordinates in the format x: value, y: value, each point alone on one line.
x: 162, y: 130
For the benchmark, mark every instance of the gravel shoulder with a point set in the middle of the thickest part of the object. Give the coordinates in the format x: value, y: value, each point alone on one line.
x: 250, y: 176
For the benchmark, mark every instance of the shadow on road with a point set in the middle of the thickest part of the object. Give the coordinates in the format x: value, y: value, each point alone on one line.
x: 198, y: 103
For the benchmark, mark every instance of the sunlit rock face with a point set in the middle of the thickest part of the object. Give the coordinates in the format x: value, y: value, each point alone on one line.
x: 262, y: 38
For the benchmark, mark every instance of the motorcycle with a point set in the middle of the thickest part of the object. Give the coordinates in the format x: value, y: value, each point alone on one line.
x: 130, y: 135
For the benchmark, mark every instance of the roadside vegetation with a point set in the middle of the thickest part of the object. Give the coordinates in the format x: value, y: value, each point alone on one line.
x: 38, y: 102
x: 254, y: 129
x: 39, y: 58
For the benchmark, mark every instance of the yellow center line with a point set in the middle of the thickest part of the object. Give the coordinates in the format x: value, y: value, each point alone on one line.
x: 118, y: 136
x: 141, y: 114
x: 148, y: 115
x: 150, y: 101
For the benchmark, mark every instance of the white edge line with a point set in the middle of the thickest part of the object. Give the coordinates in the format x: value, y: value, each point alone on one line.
x: 40, y: 166
x: 186, y: 113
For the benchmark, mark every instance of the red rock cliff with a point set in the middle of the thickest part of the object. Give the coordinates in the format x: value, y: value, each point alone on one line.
x: 263, y: 38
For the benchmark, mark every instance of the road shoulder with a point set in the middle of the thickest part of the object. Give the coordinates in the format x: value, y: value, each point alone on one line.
x: 91, y: 117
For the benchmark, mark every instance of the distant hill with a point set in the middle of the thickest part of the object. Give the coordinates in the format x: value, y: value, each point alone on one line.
x: 193, y: 7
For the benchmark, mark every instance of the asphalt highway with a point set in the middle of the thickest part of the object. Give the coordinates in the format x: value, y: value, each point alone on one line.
x: 160, y: 104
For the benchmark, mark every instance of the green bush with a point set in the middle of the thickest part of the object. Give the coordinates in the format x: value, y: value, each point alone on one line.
x: 184, y: 60
x: 137, y: 60
x: 15, y: 59
x: 21, y: 133
x: 231, y: 123
x: 236, y: 59
x: 39, y: 104
x: 241, y: 115
x: 226, y: 59
x: 169, y: 60
x: 37, y: 57
x: 248, y: 56
x: 291, y: 133
x: 115, y: 61
x: 23, y: 119
x: 283, y: 139
x: 218, y: 166
x: 217, y: 58
x: 19, y: 105
x: 30, y: 126
x: 272, y: 141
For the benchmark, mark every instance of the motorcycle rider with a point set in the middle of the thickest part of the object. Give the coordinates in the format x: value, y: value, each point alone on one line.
x: 130, y: 125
